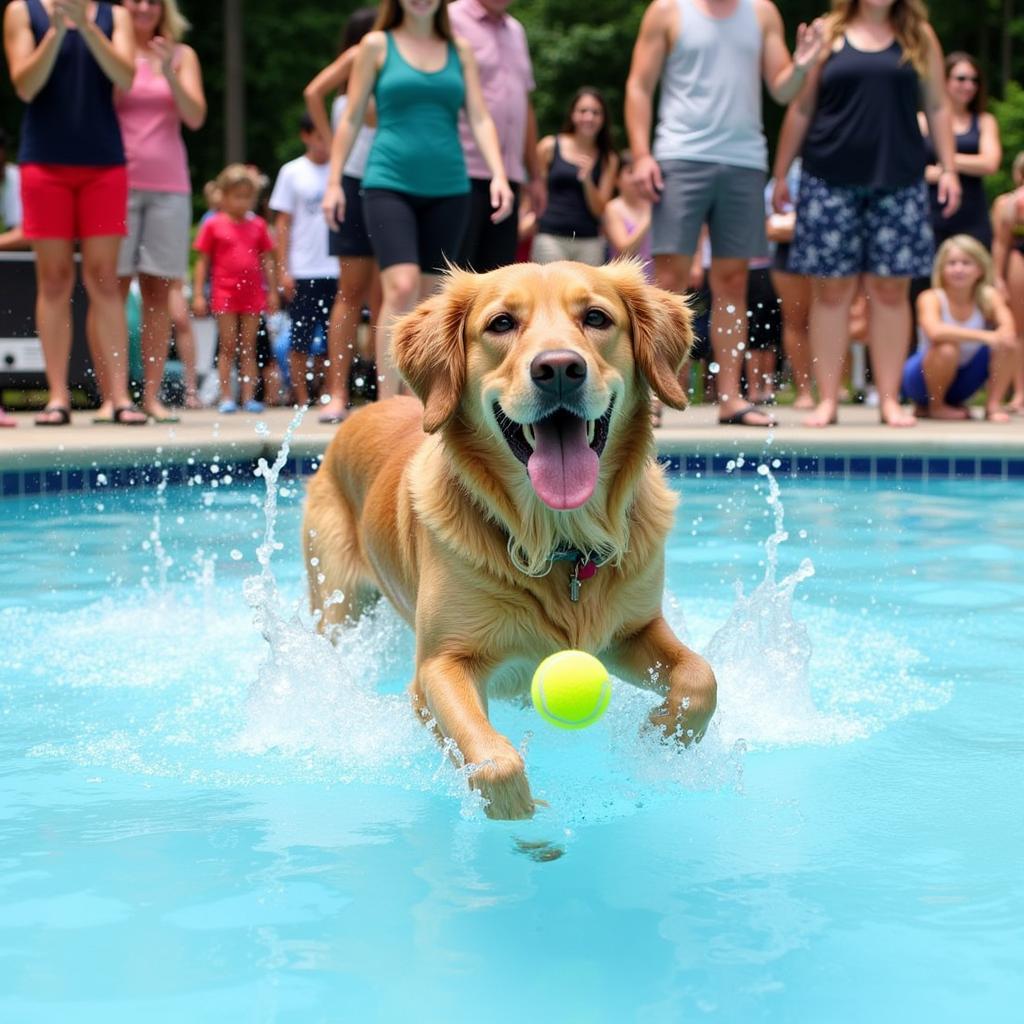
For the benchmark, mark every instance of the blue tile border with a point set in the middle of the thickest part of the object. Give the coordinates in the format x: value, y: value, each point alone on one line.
x: 97, y: 478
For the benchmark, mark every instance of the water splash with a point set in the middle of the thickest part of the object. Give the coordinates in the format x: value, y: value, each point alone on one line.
x: 762, y: 659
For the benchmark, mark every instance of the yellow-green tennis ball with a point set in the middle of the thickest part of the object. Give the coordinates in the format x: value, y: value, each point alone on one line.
x: 571, y: 689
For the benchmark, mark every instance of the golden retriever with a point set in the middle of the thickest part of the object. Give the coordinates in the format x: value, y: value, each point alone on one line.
x: 482, y: 513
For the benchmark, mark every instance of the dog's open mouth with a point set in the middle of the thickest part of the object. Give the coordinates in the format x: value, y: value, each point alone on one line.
x: 561, y: 452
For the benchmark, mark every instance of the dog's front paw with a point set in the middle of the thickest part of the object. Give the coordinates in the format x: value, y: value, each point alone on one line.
x: 686, y: 717
x: 501, y: 781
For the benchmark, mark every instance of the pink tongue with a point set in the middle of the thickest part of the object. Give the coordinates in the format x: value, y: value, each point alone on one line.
x: 563, y: 467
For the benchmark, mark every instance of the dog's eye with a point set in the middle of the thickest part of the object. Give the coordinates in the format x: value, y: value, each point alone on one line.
x: 597, y: 318
x: 501, y: 324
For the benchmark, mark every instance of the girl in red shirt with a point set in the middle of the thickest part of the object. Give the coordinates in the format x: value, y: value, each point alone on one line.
x: 235, y: 242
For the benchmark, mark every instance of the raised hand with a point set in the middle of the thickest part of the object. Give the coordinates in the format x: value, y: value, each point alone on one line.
x: 809, y: 41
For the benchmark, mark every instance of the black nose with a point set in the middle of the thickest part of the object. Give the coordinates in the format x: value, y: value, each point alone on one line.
x: 559, y: 372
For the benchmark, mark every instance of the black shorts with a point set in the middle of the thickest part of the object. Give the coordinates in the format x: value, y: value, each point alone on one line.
x: 310, y: 310
x: 487, y: 246
x: 780, y: 261
x: 351, y: 239
x: 764, y: 323
x: 425, y: 230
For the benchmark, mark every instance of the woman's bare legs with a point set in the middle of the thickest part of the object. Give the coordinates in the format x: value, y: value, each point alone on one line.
x: 156, y: 340
x: 831, y: 298
x: 356, y: 280
x: 889, y: 324
x: 55, y: 281
x: 110, y: 327
x: 401, y: 285
x: 1015, y: 287
x: 939, y: 366
x: 794, y: 292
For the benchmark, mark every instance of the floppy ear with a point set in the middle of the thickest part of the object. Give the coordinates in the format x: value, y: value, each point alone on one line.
x: 430, y: 350
x: 662, y: 335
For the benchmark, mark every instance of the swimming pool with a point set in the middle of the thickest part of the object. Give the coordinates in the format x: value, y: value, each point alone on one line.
x: 209, y: 814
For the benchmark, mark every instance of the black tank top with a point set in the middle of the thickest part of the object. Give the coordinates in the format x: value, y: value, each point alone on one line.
x: 567, y: 213
x: 972, y: 217
x: 864, y: 130
x: 72, y: 119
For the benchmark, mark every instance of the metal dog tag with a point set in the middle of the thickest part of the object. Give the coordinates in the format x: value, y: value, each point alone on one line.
x: 581, y: 570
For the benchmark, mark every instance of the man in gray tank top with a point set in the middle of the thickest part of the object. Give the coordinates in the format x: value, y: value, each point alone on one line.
x: 710, y: 157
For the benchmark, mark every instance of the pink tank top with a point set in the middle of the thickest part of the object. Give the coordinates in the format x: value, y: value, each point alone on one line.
x: 151, y: 129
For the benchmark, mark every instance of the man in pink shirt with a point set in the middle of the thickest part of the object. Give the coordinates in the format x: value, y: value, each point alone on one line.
x: 506, y: 74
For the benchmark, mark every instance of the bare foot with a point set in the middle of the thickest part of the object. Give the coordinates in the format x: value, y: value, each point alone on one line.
x: 192, y: 400
x: 158, y: 411
x: 804, y: 401
x: 893, y: 415
x: 997, y: 415
x: 942, y: 411
x: 825, y: 415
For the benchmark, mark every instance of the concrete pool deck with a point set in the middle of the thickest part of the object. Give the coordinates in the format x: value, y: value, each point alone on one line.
x: 206, y: 436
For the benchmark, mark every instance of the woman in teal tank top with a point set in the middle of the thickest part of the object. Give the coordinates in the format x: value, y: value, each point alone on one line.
x: 415, y: 189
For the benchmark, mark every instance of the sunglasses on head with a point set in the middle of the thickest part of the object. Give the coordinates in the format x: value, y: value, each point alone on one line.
x: 965, y: 78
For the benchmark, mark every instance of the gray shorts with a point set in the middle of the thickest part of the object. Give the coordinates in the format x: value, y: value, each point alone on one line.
x: 730, y: 200
x: 158, y: 234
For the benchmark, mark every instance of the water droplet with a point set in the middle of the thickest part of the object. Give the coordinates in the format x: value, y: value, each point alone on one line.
x: 713, y: 367
x: 236, y: 555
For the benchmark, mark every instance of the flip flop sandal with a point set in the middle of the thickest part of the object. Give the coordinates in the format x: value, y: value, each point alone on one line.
x: 737, y: 419
x: 121, y: 418
x: 332, y: 418
x: 62, y: 412
x: 169, y: 418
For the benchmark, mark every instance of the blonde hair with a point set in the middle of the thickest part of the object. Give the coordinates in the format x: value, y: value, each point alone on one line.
x: 1017, y: 169
x: 976, y: 252
x: 908, y: 19
x: 234, y: 175
x: 173, y: 24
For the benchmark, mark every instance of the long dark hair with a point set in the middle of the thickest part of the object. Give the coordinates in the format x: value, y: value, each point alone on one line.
x: 390, y: 15
x: 604, y: 135
x: 358, y: 23
x: 979, y: 104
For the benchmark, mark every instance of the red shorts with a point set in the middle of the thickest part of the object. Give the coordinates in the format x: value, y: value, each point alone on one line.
x: 62, y: 201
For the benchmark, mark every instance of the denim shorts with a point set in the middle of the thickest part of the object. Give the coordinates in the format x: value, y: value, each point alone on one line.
x: 845, y: 230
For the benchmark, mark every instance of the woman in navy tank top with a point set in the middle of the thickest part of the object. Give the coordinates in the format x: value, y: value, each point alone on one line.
x: 64, y: 59
x: 978, y: 152
x: 862, y: 213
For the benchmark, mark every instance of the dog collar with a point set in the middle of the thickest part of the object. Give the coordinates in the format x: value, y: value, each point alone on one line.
x: 583, y: 567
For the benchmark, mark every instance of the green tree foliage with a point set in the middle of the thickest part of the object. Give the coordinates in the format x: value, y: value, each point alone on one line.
x: 573, y: 43
x: 1009, y: 111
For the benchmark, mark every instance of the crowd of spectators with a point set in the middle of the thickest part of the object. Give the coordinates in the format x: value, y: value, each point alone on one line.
x: 429, y: 155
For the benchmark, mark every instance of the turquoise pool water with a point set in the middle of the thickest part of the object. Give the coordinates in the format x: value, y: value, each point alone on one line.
x: 208, y: 814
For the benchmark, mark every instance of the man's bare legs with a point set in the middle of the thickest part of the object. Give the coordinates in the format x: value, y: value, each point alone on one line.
x: 728, y: 284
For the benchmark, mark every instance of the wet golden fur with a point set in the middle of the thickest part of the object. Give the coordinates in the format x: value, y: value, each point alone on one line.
x: 426, y: 504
